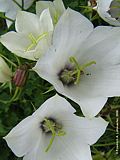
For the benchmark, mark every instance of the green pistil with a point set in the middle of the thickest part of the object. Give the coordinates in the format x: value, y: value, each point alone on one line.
x: 72, y: 75
x: 55, y: 129
x: 34, y: 41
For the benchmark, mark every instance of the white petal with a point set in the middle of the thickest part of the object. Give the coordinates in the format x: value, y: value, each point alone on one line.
x: 46, y: 23
x: 27, y: 22
x: 91, y: 106
x: 5, y: 72
x: 41, y: 5
x: 27, y: 3
x: 104, y: 82
x: 22, y: 138
x: 103, y: 43
x: 4, y: 5
x: 14, y: 41
x: 62, y: 148
x: 59, y: 6
x: 71, y: 30
x: 102, y: 9
x: 53, y: 106
x: 87, y: 130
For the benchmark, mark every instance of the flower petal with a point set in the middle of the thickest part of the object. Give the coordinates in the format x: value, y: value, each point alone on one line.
x: 94, y: 49
x: 4, y: 5
x: 18, y: 42
x: 24, y: 136
x: 54, y: 105
x: 5, y: 72
x: 103, y: 8
x: 46, y: 24
x: 41, y: 5
x: 87, y: 130
x: 62, y: 148
x: 27, y: 22
x: 71, y: 30
x: 27, y: 3
x: 104, y: 82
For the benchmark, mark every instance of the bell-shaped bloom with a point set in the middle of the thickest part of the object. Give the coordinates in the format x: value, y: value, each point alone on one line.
x: 83, y: 63
x: 56, y: 8
x: 54, y: 132
x: 32, y: 37
x: 5, y: 72
x: 109, y: 10
x: 11, y: 8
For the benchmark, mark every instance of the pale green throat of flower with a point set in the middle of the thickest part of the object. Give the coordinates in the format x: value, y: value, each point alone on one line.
x: 72, y: 74
x: 54, y: 128
x: 34, y: 40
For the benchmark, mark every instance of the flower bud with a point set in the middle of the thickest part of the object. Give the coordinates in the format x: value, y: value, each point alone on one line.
x: 5, y: 72
x: 20, y: 76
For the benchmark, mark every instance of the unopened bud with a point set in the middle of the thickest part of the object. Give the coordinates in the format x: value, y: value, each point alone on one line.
x: 21, y: 75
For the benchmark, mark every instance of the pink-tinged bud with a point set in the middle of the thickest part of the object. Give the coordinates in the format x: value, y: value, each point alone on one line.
x: 21, y: 75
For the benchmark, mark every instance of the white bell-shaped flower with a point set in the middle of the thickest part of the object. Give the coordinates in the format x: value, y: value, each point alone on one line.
x: 32, y: 37
x: 56, y: 8
x: 11, y: 7
x: 83, y: 63
x: 54, y: 132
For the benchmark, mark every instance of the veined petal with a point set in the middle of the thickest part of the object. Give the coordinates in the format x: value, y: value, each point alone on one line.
x: 87, y: 130
x: 59, y: 5
x: 46, y: 24
x: 104, y: 82
x: 61, y: 106
x: 41, y: 5
x: 71, y: 30
x: 94, y: 48
x: 27, y: 22
x: 24, y: 136
x: 56, y: 8
x: 18, y: 42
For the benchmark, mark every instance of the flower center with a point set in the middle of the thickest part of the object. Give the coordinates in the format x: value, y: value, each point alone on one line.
x: 71, y: 73
x: 114, y: 10
x: 49, y: 125
x: 34, y: 40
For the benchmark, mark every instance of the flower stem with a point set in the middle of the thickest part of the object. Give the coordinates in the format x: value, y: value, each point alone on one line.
x: 4, y: 17
x: 13, y: 64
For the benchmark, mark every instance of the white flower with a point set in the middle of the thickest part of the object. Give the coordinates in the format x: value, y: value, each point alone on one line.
x: 11, y: 8
x: 56, y: 8
x: 84, y: 63
x: 33, y: 36
x: 5, y: 72
x: 109, y: 10
x: 32, y: 138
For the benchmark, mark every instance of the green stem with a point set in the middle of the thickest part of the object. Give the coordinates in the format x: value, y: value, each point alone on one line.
x: 17, y: 4
x: 107, y: 144
x: 4, y: 17
x: 13, y: 64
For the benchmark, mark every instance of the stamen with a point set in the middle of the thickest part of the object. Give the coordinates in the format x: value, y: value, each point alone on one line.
x: 72, y: 75
x: 54, y: 128
x: 35, y: 40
